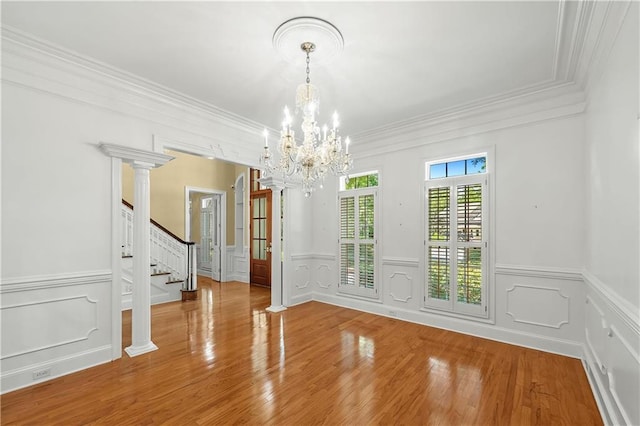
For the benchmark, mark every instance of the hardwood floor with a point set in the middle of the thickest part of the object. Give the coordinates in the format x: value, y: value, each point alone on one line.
x: 222, y: 359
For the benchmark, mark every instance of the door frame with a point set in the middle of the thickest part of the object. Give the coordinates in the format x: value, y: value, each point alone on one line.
x: 268, y: 193
x: 223, y: 222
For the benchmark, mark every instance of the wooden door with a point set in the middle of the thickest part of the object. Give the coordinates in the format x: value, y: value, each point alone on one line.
x: 260, y: 231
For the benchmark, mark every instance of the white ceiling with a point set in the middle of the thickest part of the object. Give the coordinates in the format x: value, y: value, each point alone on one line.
x: 400, y: 60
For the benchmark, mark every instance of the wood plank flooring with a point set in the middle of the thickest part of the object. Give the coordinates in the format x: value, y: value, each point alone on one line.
x: 223, y: 359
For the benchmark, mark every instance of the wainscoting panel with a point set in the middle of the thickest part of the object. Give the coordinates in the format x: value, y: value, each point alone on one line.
x: 302, y: 276
x: 238, y: 264
x: 544, y: 302
x: 524, y: 302
x: 298, y: 279
x: 54, y: 325
x: 325, y: 275
x: 612, y: 353
x: 77, y: 318
x: 401, y: 281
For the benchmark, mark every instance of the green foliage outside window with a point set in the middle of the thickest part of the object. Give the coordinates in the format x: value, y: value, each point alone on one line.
x: 365, y: 181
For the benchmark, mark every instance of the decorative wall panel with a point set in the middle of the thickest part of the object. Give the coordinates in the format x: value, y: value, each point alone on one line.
x: 76, y: 319
x: 624, y: 376
x: 596, y: 330
x: 324, y: 275
x: 524, y: 304
x: 302, y: 276
x: 400, y: 286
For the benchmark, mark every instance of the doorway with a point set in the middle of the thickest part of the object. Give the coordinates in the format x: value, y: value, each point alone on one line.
x: 206, y: 226
x: 209, y: 261
x: 260, y: 233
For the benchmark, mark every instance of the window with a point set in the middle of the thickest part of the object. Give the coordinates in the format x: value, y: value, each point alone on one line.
x: 456, y: 243
x: 358, y: 235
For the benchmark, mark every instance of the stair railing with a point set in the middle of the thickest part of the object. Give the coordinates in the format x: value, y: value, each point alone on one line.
x: 169, y: 253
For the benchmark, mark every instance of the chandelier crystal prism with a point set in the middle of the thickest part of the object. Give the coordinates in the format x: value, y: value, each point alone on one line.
x: 322, y: 151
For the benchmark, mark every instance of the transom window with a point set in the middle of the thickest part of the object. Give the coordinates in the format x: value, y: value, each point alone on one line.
x: 467, y: 166
x: 358, y: 234
x: 456, y: 203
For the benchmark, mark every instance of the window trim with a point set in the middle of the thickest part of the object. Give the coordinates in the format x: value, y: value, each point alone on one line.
x: 375, y: 293
x: 488, y: 315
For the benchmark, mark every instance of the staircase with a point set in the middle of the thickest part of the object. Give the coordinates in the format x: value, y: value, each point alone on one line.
x: 172, y: 262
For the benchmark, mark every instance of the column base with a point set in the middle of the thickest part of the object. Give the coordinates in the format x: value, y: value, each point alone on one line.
x: 278, y: 308
x: 139, y: 350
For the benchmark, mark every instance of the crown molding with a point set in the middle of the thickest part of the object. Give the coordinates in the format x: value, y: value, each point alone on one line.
x: 606, y: 20
x: 32, y: 63
x: 128, y: 80
x: 442, y: 129
x: 586, y: 32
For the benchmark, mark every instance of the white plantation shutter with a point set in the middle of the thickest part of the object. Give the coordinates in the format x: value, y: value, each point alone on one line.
x: 456, y: 245
x: 347, y: 241
x: 358, y: 242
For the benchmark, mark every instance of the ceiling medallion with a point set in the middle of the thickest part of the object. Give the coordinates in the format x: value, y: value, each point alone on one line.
x: 292, y: 33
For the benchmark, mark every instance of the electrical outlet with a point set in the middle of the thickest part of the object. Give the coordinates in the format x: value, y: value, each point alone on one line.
x: 393, y: 313
x: 39, y: 374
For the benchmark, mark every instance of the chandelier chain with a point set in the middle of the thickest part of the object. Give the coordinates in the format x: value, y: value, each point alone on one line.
x: 308, y: 60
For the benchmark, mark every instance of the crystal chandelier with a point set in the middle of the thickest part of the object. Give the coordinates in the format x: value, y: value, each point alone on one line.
x: 321, y: 151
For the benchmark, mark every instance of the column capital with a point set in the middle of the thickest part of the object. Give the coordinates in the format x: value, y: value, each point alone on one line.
x: 133, y: 155
x: 275, y: 183
x: 142, y: 165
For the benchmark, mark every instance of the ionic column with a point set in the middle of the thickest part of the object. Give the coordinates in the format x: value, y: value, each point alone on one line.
x: 141, y: 303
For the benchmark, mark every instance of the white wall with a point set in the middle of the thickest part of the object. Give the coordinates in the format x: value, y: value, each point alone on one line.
x: 612, y: 261
x: 613, y: 215
x: 56, y: 309
x: 300, y: 269
x: 537, y: 227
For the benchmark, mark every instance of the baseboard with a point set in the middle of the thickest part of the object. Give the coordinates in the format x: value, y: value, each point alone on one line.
x: 299, y: 300
x: 240, y: 277
x: 23, y: 377
x: 472, y: 328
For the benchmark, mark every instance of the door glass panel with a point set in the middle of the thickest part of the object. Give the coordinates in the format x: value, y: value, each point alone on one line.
x: 255, y: 250
x: 263, y: 250
x: 256, y: 228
